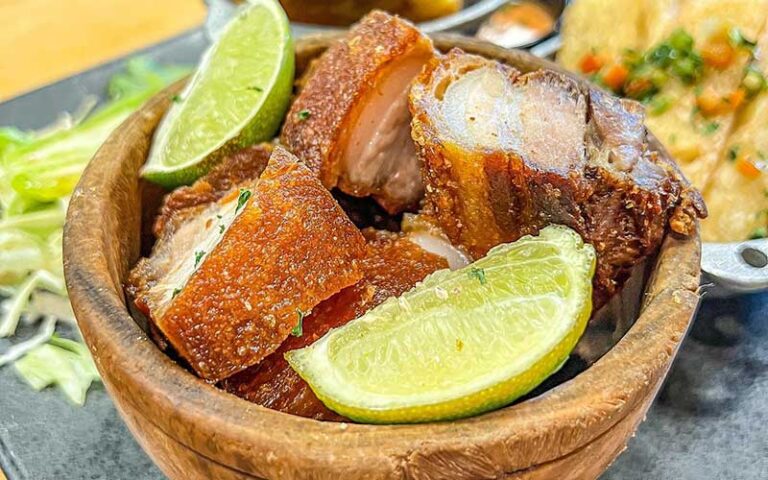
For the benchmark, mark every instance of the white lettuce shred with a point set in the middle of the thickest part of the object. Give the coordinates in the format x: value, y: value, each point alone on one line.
x: 38, y: 172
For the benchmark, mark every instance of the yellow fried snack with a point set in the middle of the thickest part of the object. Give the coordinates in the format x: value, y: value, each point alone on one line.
x: 685, y: 59
x: 737, y: 194
x: 604, y: 27
x: 695, y: 126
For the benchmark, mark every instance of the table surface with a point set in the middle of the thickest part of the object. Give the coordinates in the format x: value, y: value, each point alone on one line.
x: 50, y: 39
x: 708, y: 422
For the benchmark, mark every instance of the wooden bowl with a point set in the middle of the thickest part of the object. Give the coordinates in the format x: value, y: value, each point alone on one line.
x: 195, y: 431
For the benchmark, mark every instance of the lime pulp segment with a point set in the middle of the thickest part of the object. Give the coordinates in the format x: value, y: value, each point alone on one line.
x: 461, y: 342
x: 237, y: 97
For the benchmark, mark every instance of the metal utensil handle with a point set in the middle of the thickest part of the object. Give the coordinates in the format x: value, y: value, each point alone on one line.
x: 741, y: 267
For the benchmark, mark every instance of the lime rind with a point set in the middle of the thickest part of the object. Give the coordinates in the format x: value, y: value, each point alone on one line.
x: 484, y: 378
x: 207, y: 123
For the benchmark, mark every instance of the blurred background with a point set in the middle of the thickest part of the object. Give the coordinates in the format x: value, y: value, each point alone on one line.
x: 713, y: 404
x: 45, y: 40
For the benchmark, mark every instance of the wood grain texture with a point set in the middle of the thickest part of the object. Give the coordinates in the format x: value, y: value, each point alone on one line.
x: 45, y: 40
x: 192, y: 430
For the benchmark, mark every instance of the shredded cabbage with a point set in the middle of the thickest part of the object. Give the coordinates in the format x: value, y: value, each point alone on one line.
x: 38, y: 172
x: 61, y: 362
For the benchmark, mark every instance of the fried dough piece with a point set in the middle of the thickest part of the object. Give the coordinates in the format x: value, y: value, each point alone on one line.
x: 350, y: 122
x: 507, y: 154
x: 227, y: 285
x: 737, y: 194
x: 237, y: 168
x: 392, y: 265
x: 697, y: 142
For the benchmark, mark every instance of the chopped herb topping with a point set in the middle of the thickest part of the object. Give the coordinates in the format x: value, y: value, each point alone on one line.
x: 459, y: 345
x: 242, y: 198
x: 659, y: 104
x: 642, y: 75
x: 176, y: 291
x: 710, y: 128
x: 733, y: 153
x: 298, y: 330
x: 199, y: 256
x: 759, y: 233
x: 738, y: 40
x: 176, y: 98
x: 221, y: 229
x: 478, y: 273
x: 304, y: 114
x: 219, y: 217
x: 754, y: 81
x: 255, y: 88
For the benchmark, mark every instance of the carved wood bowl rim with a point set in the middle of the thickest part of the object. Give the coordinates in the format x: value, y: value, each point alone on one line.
x: 101, y: 243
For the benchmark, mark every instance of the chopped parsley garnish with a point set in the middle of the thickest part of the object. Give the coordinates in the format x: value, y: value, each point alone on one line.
x: 759, y: 233
x: 219, y: 217
x: 642, y: 75
x: 478, y: 273
x: 199, y: 256
x: 255, y: 88
x: 304, y: 114
x: 738, y: 40
x: 659, y: 104
x: 733, y: 153
x: 176, y: 291
x: 710, y: 128
x: 176, y: 98
x: 242, y: 198
x: 221, y: 229
x: 681, y: 40
x: 298, y: 330
x: 754, y: 81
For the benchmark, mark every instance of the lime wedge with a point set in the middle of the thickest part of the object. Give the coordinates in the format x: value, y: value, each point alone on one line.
x: 237, y: 97
x: 462, y: 342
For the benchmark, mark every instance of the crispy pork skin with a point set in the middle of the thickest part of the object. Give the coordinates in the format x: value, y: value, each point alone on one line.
x: 237, y: 168
x: 504, y: 154
x: 227, y: 285
x: 392, y: 265
x: 350, y: 123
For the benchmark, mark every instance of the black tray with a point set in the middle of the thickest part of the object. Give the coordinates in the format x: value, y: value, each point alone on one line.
x: 709, y: 421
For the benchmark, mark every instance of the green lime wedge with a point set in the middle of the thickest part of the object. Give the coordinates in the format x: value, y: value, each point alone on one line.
x: 237, y: 97
x: 461, y: 342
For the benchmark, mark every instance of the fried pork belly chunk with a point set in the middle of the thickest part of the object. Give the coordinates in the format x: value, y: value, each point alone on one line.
x: 506, y: 153
x: 227, y: 285
x: 350, y: 124
x: 392, y: 265
x: 237, y: 168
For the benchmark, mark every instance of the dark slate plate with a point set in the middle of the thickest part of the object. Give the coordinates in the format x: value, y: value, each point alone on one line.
x: 708, y: 423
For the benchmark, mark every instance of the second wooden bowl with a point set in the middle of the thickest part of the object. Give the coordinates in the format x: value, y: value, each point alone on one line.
x: 195, y: 431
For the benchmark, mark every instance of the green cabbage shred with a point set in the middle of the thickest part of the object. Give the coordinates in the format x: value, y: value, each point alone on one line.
x: 38, y: 172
